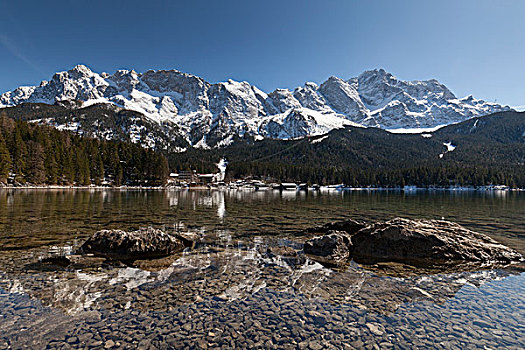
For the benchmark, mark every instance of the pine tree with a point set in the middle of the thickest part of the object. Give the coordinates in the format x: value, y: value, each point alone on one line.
x: 82, y: 174
x: 5, y: 160
x: 95, y: 161
x: 51, y: 167
x: 36, y: 171
x: 67, y: 169
x: 18, y: 150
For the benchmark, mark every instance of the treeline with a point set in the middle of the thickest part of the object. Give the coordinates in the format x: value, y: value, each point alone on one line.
x: 33, y: 154
x: 423, y: 173
x: 492, y: 153
x: 421, y: 176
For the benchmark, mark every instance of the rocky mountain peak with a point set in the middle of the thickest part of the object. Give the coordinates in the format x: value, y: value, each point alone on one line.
x: 81, y: 70
x: 378, y: 74
x: 343, y: 98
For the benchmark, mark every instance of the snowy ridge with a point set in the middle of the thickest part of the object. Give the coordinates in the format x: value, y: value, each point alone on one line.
x: 209, y: 115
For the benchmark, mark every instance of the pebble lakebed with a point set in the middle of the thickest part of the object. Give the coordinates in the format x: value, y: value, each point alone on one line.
x: 241, y: 295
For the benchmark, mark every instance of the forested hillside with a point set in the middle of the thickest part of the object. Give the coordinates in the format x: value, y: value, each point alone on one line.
x: 102, y: 121
x: 487, y: 150
x: 33, y: 154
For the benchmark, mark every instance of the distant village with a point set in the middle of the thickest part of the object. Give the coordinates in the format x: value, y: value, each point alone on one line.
x: 194, y: 180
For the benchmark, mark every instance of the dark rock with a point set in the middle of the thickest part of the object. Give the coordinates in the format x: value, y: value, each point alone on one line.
x: 141, y: 244
x: 83, y: 337
x: 414, y: 242
x: 52, y: 263
x: 188, y: 243
x: 287, y: 254
x: 317, y: 317
x: 427, y: 242
x: 329, y: 249
x: 56, y: 260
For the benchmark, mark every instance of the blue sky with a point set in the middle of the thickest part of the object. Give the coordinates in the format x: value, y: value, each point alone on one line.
x: 472, y: 46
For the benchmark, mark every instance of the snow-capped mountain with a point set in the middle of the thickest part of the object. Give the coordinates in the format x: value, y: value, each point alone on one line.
x: 207, y: 114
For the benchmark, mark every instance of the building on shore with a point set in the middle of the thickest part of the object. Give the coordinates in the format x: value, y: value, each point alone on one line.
x: 194, y: 179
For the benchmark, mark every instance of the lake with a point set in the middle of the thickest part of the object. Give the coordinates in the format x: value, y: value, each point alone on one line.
x: 235, y: 290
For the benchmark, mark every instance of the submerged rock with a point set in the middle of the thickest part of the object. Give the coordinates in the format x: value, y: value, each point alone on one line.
x: 284, y: 251
x: 331, y: 249
x: 61, y: 261
x: 415, y: 242
x: 287, y: 254
x: 141, y: 244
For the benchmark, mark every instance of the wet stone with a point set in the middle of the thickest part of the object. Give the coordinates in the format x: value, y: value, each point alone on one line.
x: 315, y: 345
x: 72, y: 340
x: 317, y: 317
x: 374, y: 329
x: 95, y: 343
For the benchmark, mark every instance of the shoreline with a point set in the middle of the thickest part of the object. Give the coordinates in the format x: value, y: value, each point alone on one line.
x: 245, y: 188
x: 58, y: 187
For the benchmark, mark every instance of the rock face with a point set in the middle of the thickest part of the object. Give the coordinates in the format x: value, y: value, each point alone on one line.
x: 415, y: 242
x: 141, y: 244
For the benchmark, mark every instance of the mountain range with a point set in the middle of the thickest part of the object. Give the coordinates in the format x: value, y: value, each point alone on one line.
x: 174, y: 111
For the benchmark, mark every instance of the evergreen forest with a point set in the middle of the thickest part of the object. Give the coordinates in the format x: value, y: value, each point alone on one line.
x: 36, y: 155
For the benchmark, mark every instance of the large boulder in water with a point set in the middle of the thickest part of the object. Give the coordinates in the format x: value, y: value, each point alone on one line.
x: 142, y: 244
x: 425, y: 242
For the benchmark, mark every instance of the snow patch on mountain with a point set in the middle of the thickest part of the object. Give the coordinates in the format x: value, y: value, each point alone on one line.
x: 319, y: 140
x: 450, y: 147
x: 415, y: 130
